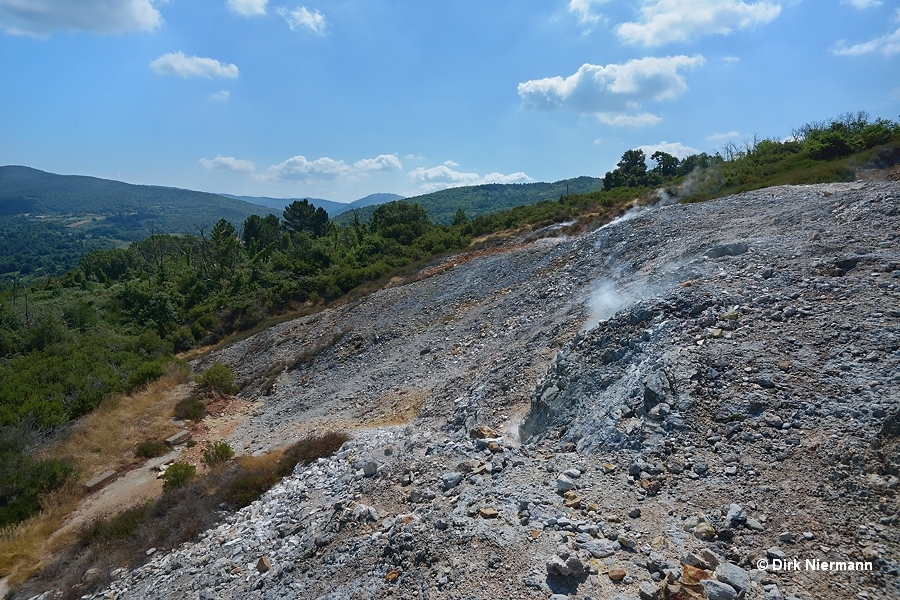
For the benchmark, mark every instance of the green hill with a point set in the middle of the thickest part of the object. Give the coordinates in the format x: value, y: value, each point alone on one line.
x: 48, y: 221
x: 477, y: 200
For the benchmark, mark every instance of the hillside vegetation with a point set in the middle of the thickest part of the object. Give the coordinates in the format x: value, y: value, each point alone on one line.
x: 111, y: 324
x: 48, y: 221
x: 475, y: 200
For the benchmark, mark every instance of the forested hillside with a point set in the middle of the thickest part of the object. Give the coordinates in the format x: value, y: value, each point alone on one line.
x: 48, y: 221
x: 474, y: 200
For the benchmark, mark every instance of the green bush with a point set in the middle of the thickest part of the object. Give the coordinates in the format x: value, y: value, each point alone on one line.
x: 192, y: 409
x: 145, y: 374
x: 151, y: 449
x: 118, y: 527
x: 218, y: 453
x: 218, y: 378
x: 177, y: 475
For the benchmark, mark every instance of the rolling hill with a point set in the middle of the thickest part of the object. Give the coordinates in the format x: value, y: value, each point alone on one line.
x: 48, y: 221
x: 331, y: 207
x: 484, y: 199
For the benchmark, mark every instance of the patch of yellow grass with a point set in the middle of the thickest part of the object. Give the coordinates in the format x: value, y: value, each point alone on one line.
x: 103, y: 438
x: 25, y: 546
x: 99, y: 441
x: 394, y: 408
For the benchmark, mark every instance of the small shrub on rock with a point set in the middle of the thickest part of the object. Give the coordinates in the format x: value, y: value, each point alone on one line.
x: 191, y: 408
x: 177, y: 475
x: 309, y: 449
x: 218, y: 453
x: 151, y: 449
x: 218, y: 378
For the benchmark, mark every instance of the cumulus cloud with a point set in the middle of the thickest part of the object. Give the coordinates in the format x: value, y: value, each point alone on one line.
x: 176, y: 63
x: 584, y: 10
x: 442, y: 177
x: 228, y: 163
x: 665, y: 21
x: 888, y: 45
x: 382, y: 162
x: 303, y: 18
x: 298, y: 168
x: 614, y: 91
x: 862, y: 4
x: 720, y: 137
x: 42, y: 18
x: 623, y: 120
x: 221, y: 95
x: 248, y: 8
x: 676, y: 149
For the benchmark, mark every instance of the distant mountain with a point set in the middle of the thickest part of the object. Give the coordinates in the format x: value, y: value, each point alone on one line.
x: 48, y: 221
x: 277, y: 204
x: 489, y: 198
x: 24, y: 190
x: 331, y: 207
x: 372, y: 200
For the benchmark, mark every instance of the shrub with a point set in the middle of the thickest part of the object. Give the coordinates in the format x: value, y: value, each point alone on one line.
x: 308, y: 450
x: 148, y: 372
x: 218, y: 378
x: 191, y: 408
x: 117, y: 527
x: 151, y: 449
x: 247, y: 484
x: 218, y: 453
x: 178, y: 474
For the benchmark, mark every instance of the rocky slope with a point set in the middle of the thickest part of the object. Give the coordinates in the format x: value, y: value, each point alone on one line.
x: 689, y: 403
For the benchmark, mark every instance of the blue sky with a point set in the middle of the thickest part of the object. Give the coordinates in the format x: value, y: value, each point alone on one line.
x: 339, y: 99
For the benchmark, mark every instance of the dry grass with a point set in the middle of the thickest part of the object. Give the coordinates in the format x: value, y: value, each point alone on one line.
x: 25, y: 547
x: 394, y: 408
x: 99, y: 441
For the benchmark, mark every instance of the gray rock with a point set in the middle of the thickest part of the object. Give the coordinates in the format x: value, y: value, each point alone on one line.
x: 771, y: 592
x: 564, y: 484
x: 716, y: 590
x: 599, y: 548
x: 451, y: 480
x: 734, y: 576
x: 647, y: 591
x: 370, y: 468
x: 736, y: 516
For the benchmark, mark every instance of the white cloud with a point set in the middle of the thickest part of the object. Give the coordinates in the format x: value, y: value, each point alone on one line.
x: 42, y: 18
x: 664, y: 21
x: 888, y: 45
x: 382, y: 162
x: 614, y: 91
x: 221, y: 95
x: 176, y: 63
x: 451, y: 163
x: 442, y: 177
x: 248, y: 8
x: 228, y: 163
x: 300, y: 169
x: 676, y: 149
x: 623, y: 120
x: 720, y: 137
x: 862, y: 4
x: 302, y: 18
x: 584, y: 10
